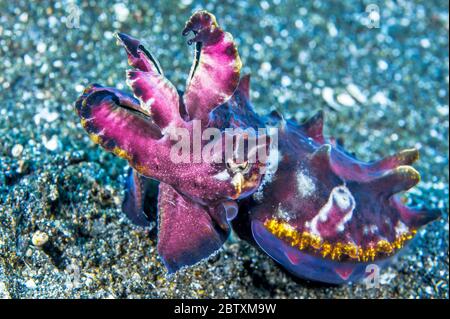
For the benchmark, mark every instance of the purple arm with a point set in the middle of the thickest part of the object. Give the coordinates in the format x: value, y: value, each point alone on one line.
x: 215, y: 72
x: 187, y: 232
x: 158, y: 97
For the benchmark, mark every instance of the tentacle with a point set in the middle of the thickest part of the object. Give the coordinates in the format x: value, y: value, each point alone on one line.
x: 123, y: 98
x: 158, y: 97
x: 138, y: 56
x: 123, y: 130
x: 140, y: 199
x: 215, y: 72
x: 187, y: 233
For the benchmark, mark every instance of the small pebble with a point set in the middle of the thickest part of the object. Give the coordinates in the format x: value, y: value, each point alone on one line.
x: 39, y: 238
x: 345, y: 99
x: 121, y: 11
x: 354, y: 90
x: 30, y: 284
x: 50, y: 144
x: 17, y: 150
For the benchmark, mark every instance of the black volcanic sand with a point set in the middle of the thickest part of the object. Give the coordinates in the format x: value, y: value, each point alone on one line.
x: 383, y: 89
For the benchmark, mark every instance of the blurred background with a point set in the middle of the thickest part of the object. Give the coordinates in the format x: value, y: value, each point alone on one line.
x: 379, y: 69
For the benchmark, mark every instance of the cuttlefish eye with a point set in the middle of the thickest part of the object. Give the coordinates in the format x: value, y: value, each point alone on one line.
x: 234, y: 167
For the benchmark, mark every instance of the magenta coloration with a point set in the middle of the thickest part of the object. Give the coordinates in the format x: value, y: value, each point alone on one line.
x: 316, y: 210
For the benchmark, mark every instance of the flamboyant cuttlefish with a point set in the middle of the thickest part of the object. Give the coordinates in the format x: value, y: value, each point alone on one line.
x: 311, y: 206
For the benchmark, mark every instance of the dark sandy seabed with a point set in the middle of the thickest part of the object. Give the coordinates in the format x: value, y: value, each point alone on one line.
x: 382, y: 89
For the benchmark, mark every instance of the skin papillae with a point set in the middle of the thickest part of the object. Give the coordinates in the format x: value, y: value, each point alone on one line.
x: 322, y: 214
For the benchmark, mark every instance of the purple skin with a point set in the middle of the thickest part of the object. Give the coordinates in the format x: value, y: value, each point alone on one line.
x: 323, y: 214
